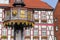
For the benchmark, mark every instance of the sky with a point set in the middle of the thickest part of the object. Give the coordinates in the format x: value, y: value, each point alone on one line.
x: 51, y: 2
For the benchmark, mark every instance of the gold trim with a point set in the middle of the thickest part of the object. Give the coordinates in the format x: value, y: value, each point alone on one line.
x: 18, y: 22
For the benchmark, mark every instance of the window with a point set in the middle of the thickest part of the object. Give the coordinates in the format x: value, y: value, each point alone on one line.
x: 29, y: 15
x: 27, y: 32
x: 4, y: 2
x: 14, y: 12
x: 56, y: 28
x: 35, y: 32
x: 55, y: 38
x: 44, y: 32
x: 23, y: 14
x: 4, y: 32
x: 43, y: 17
x: 36, y: 16
x: 18, y: 1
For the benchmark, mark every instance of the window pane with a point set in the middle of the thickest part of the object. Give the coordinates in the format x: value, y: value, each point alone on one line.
x: 4, y: 2
x: 36, y: 17
x: 23, y: 14
x: 35, y: 32
x: 43, y: 17
x: 27, y: 32
x: 29, y: 15
x: 17, y: 1
x: 14, y: 12
x: 0, y: 15
x: 43, y: 32
x: 4, y: 32
x: 55, y: 38
x: 0, y: 19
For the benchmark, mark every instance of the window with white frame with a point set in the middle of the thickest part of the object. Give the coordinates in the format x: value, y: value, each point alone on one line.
x: 36, y: 32
x: 36, y: 16
x: 14, y: 13
x: 44, y: 33
x: 4, y: 32
x: 7, y: 15
x: 27, y: 33
x: 29, y: 15
x: 18, y: 1
x: 43, y: 17
x: 55, y: 38
x: 4, y: 1
x: 43, y: 30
